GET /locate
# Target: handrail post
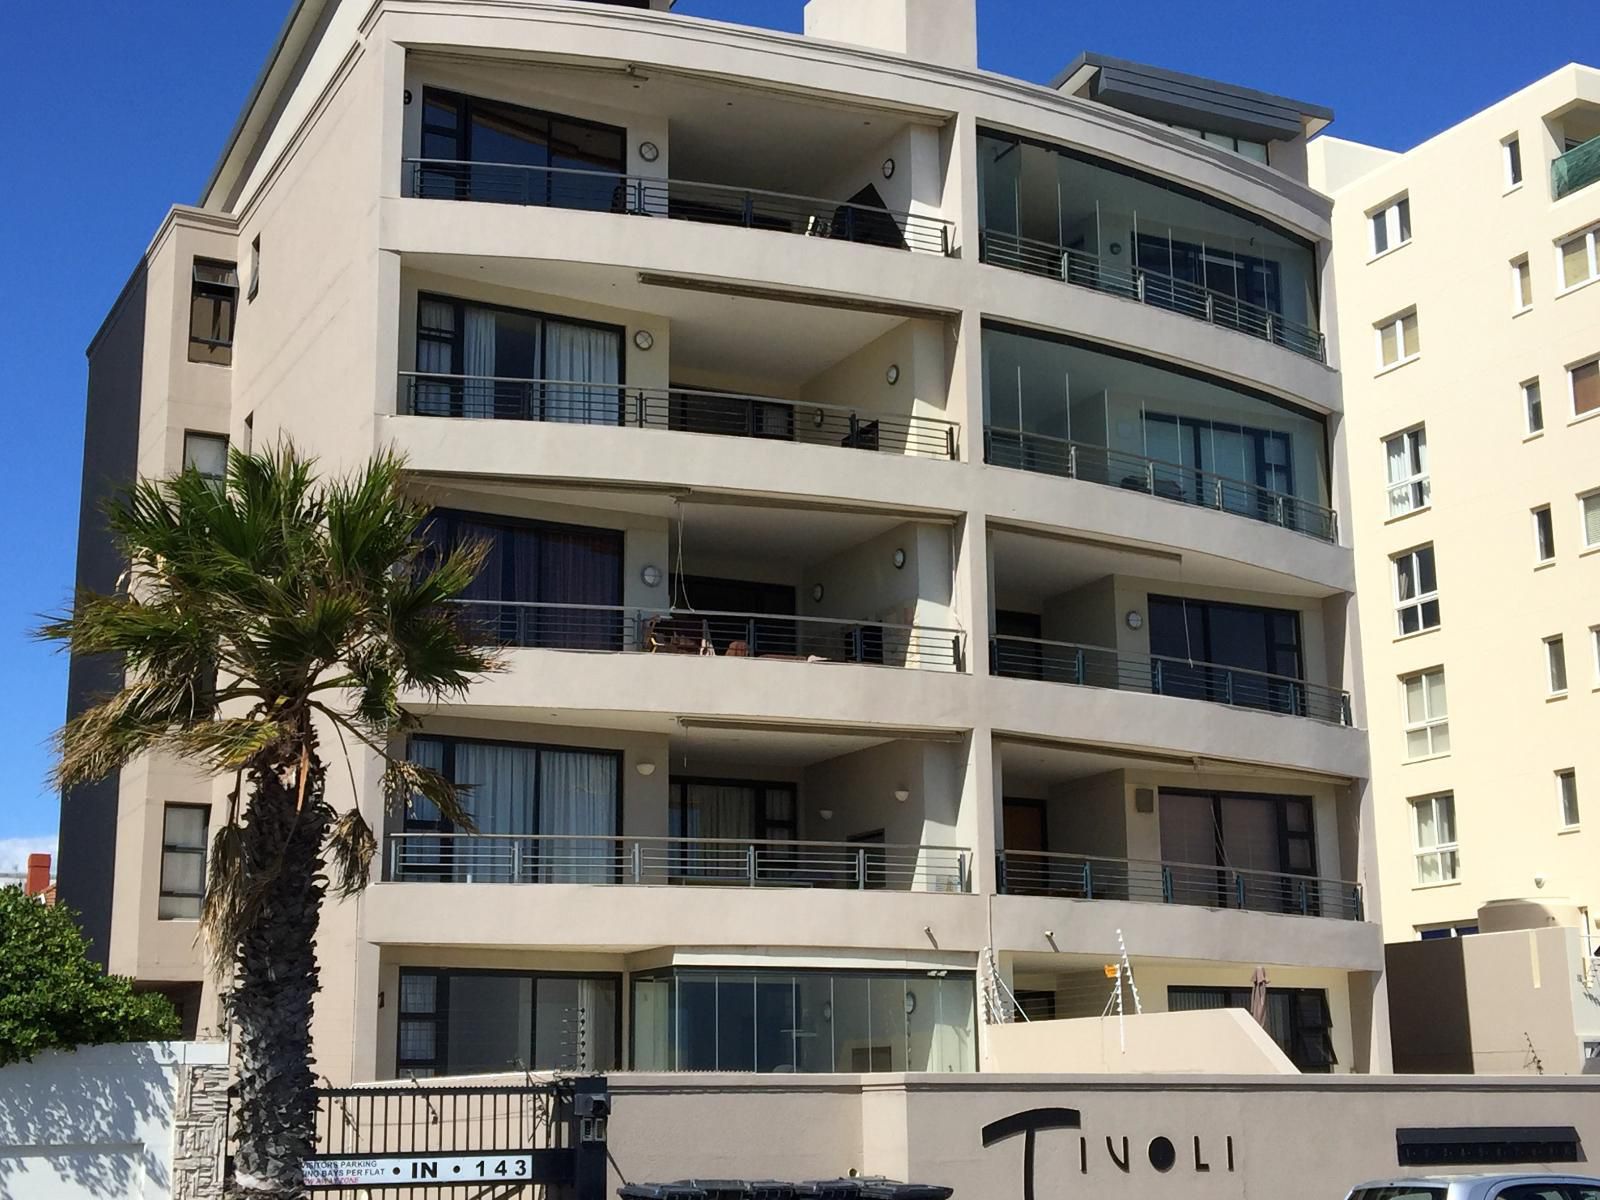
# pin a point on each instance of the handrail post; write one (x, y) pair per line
(516, 861)
(1150, 477)
(750, 863)
(1271, 332)
(1347, 718)
(1211, 308)
(1238, 888)
(638, 862)
(394, 857)
(861, 868)
(1077, 666)
(1000, 872)
(1166, 884)
(1138, 285)
(1305, 898)
(944, 239)
(1228, 675)
(1072, 460)
(1088, 880)
(961, 871)
(749, 210)
(950, 442)
(1156, 677)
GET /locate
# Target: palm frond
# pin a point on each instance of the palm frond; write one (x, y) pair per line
(351, 848)
(405, 781)
(228, 907)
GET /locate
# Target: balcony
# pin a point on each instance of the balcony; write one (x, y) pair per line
(1090, 877)
(481, 397)
(618, 629)
(1047, 455)
(1084, 269)
(669, 861)
(1101, 667)
(1577, 168)
(678, 199)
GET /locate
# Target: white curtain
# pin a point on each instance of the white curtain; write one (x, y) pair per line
(588, 359)
(578, 799)
(478, 350)
(499, 782)
(433, 357)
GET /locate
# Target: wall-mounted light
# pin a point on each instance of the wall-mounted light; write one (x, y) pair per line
(1116, 247)
(902, 794)
(825, 813)
(649, 151)
(899, 558)
(827, 1010)
(1135, 619)
(644, 339)
(817, 418)
(892, 375)
(645, 768)
(651, 575)
(911, 1002)
(888, 168)
(816, 592)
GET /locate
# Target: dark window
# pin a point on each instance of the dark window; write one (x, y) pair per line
(1544, 534)
(489, 1022)
(213, 299)
(1241, 844)
(183, 861)
(255, 267)
(1205, 650)
(1297, 1018)
(706, 812)
(206, 453)
(702, 593)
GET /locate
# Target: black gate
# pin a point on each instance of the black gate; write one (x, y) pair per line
(534, 1141)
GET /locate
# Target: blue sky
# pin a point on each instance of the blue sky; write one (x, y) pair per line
(119, 110)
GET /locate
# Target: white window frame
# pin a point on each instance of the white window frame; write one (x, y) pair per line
(1528, 401)
(1403, 604)
(1591, 239)
(1586, 500)
(1438, 850)
(1431, 721)
(193, 439)
(172, 902)
(1513, 166)
(1394, 218)
(1521, 269)
(1417, 486)
(1572, 389)
(1540, 557)
(1570, 818)
(1555, 658)
(1398, 324)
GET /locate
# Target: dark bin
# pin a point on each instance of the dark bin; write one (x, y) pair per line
(888, 1189)
(829, 1189)
(741, 1189)
(660, 1191)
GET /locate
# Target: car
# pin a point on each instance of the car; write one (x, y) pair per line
(1480, 1187)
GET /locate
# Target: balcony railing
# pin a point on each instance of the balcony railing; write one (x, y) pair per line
(677, 199)
(1577, 168)
(1083, 269)
(1098, 666)
(1088, 877)
(615, 629)
(705, 862)
(485, 397)
(1171, 481)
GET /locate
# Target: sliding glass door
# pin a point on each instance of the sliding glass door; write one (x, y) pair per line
(1226, 653)
(706, 813)
(1208, 836)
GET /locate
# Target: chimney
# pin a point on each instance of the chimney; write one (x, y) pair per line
(936, 31)
(38, 875)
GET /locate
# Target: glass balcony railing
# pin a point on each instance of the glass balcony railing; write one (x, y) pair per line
(1577, 168)
(474, 397)
(1084, 269)
(1171, 481)
(1089, 877)
(1099, 666)
(429, 857)
(677, 199)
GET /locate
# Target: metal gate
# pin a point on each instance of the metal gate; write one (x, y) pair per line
(536, 1141)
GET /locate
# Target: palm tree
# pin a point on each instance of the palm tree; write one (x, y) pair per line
(258, 614)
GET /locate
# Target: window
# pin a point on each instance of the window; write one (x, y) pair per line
(1416, 591)
(1544, 534)
(1594, 637)
(255, 267)
(213, 297)
(206, 453)
(1427, 715)
(1434, 824)
(1534, 405)
(1585, 381)
(1576, 259)
(1407, 456)
(183, 861)
(1391, 226)
(493, 1022)
(1432, 933)
(1567, 794)
(1397, 340)
(1256, 151)
(1555, 652)
(1297, 1018)
(1511, 150)
(1589, 512)
(1521, 285)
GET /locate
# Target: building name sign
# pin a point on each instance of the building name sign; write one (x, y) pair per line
(1121, 1153)
(416, 1170)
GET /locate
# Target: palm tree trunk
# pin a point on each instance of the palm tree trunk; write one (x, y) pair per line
(275, 978)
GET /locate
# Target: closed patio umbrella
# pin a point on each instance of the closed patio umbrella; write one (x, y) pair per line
(1258, 996)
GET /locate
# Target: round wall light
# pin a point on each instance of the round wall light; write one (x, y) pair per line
(899, 559)
(646, 769)
(892, 375)
(644, 339)
(816, 592)
(911, 1002)
(888, 168)
(902, 794)
(649, 151)
(1135, 619)
(651, 575)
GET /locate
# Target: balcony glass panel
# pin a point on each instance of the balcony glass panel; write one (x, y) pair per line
(1577, 168)
(1062, 408)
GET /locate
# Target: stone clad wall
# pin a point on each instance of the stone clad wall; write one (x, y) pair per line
(200, 1132)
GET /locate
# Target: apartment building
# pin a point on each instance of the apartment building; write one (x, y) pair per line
(913, 496)
(1471, 365)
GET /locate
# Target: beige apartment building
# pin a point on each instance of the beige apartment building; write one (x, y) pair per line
(917, 506)
(1470, 332)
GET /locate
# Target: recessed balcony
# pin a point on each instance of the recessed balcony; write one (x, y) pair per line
(1577, 136)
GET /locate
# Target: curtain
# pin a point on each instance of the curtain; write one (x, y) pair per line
(580, 568)
(499, 783)
(436, 324)
(586, 364)
(478, 344)
(423, 857)
(578, 799)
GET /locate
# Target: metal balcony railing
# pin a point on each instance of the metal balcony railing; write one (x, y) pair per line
(677, 199)
(1090, 877)
(485, 397)
(1083, 269)
(1098, 666)
(1577, 168)
(708, 862)
(615, 629)
(1172, 481)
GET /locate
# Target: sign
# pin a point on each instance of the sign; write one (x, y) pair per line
(414, 1170)
(1121, 1152)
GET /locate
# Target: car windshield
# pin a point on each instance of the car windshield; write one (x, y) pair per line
(1400, 1192)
